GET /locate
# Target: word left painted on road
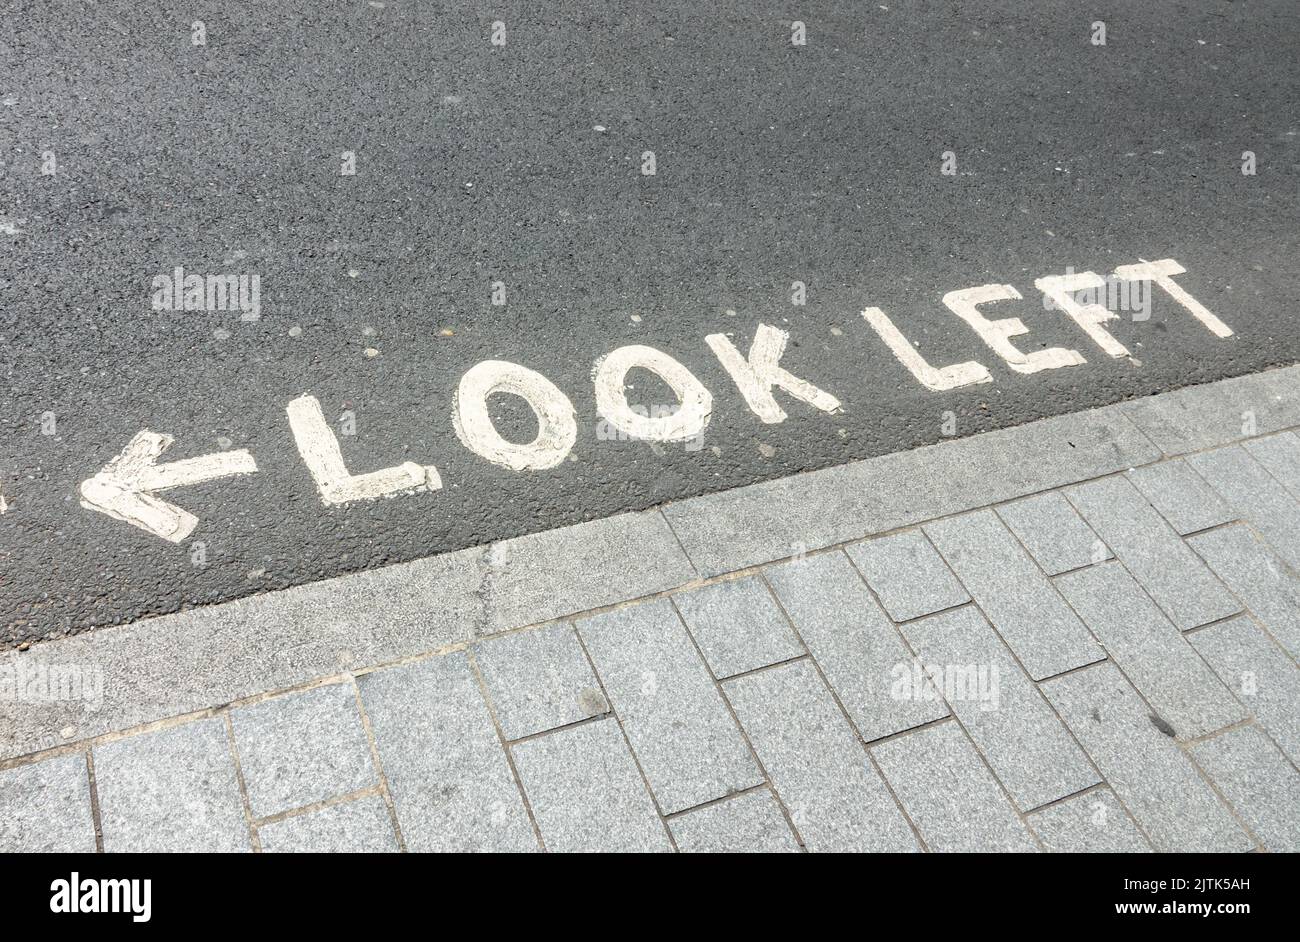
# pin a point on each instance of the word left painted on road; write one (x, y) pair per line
(126, 488)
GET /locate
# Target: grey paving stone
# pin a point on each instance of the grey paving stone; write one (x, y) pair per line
(1280, 456)
(675, 719)
(751, 823)
(361, 826)
(857, 648)
(1054, 534)
(302, 748)
(1094, 823)
(1181, 495)
(447, 772)
(1261, 580)
(1176, 578)
(949, 794)
(1259, 783)
(1256, 496)
(544, 576)
(586, 792)
(1153, 654)
(820, 771)
(45, 808)
(216, 654)
(1028, 749)
(169, 791)
(744, 527)
(908, 575)
(1259, 673)
(539, 680)
(1201, 417)
(738, 626)
(1147, 771)
(1022, 604)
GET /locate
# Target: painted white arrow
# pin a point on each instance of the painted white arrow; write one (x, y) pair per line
(124, 488)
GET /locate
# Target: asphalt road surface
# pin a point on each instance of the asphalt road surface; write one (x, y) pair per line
(134, 141)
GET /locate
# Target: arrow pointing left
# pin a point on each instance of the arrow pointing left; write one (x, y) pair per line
(124, 488)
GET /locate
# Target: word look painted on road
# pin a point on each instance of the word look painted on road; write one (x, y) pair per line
(125, 488)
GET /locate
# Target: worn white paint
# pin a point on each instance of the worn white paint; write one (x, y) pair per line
(124, 488)
(557, 429)
(609, 375)
(1090, 317)
(320, 452)
(1161, 272)
(965, 304)
(756, 375)
(937, 379)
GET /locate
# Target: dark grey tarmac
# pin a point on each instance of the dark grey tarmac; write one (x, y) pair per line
(522, 164)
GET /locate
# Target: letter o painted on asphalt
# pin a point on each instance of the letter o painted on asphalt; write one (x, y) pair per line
(557, 429)
(610, 378)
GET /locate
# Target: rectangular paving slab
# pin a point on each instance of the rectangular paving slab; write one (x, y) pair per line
(738, 626)
(821, 773)
(1259, 673)
(751, 823)
(1153, 654)
(539, 680)
(216, 654)
(1026, 610)
(302, 748)
(1176, 578)
(1259, 783)
(853, 642)
(446, 769)
(1256, 496)
(1280, 456)
(907, 574)
(45, 808)
(949, 793)
(1181, 496)
(1025, 744)
(1259, 578)
(172, 790)
(1144, 766)
(586, 792)
(360, 826)
(678, 725)
(1092, 823)
(1200, 417)
(1053, 532)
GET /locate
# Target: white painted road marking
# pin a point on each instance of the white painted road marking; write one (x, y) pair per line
(756, 375)
(557, 428)
(935, 379)
(320, 451)
(123, 489)
(610, 378)
(1061, 289)
(965, 304)
(1160, 272)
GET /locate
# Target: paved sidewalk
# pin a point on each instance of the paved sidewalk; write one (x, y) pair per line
(1076, 635)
